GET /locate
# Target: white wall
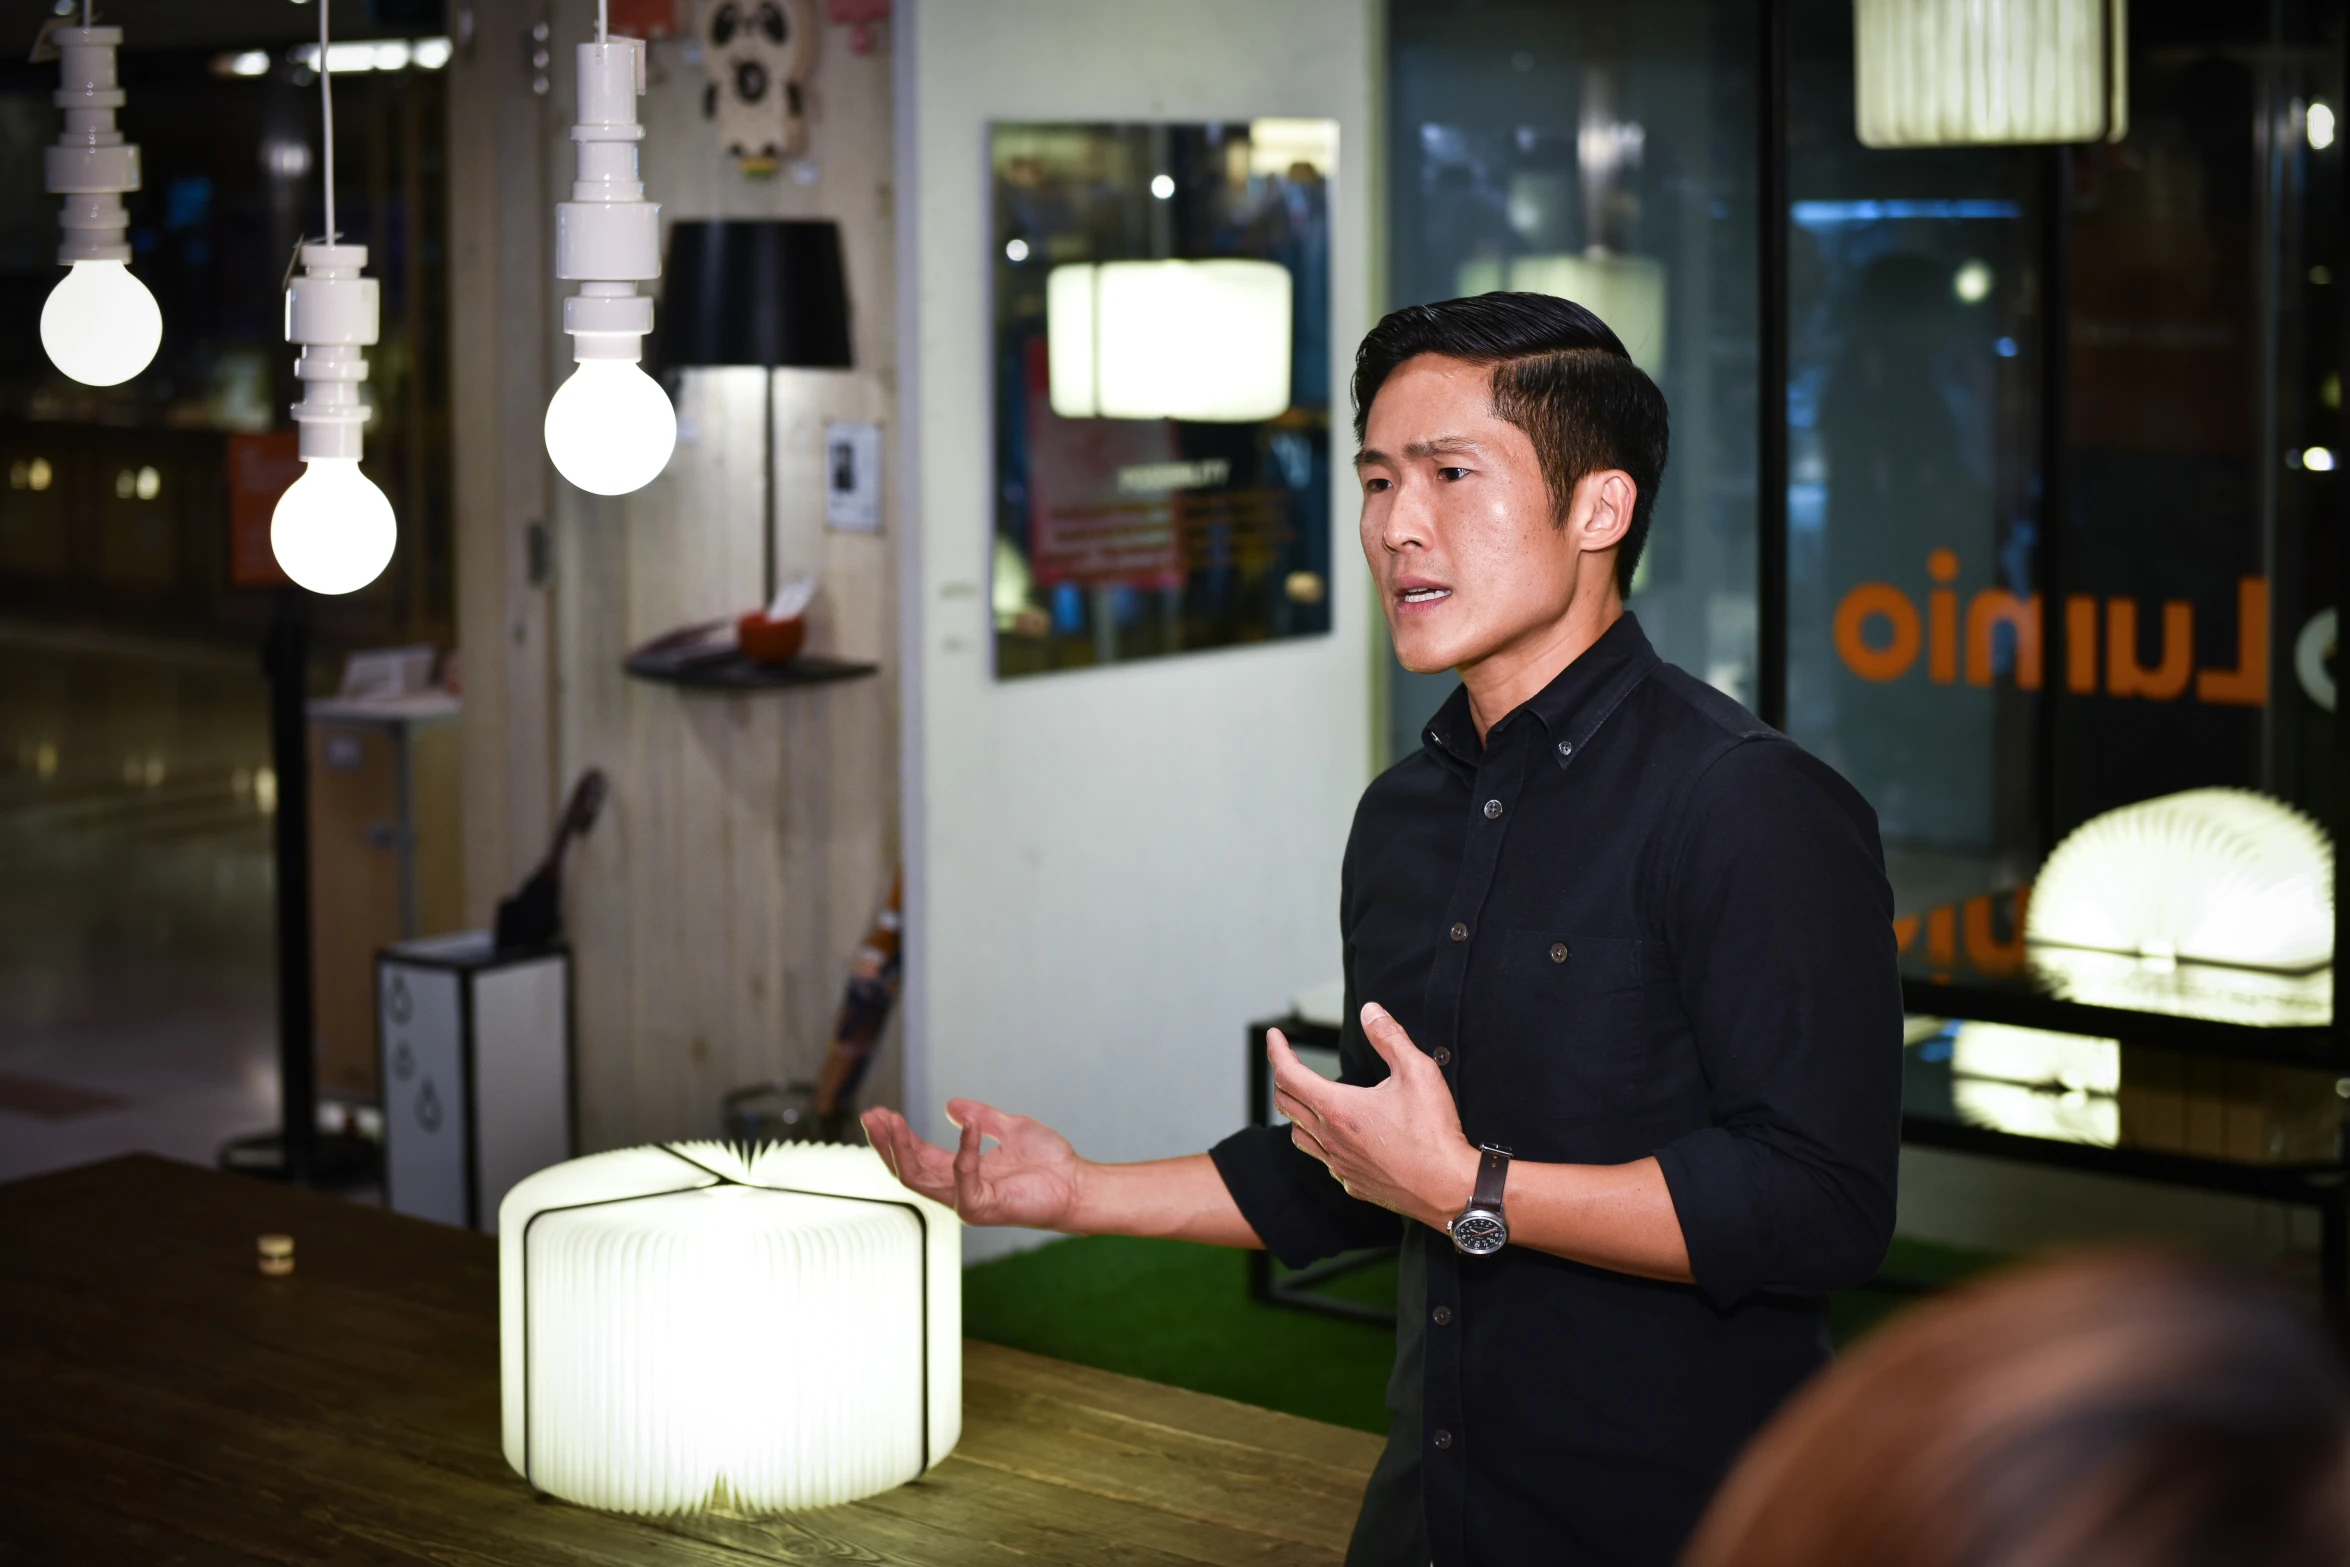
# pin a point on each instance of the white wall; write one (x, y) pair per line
(1110, 872)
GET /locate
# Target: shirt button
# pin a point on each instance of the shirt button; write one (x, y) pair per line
(1492, 809)
(1559, 952)
(1441, 1315)
(1443, 1056)
(1566, 748)
(1444, 1439)
(1460, 933)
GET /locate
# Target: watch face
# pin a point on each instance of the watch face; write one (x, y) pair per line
(1480, 1232)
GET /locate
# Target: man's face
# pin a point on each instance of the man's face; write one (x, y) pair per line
(1457, 522)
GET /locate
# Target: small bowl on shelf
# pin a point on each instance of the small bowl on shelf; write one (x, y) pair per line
(765, 641)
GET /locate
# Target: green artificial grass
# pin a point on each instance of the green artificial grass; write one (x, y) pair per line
(1172, 1312)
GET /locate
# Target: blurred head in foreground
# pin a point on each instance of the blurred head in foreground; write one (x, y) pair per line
(2120, 1411)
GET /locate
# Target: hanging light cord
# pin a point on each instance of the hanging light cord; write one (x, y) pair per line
(326, 107)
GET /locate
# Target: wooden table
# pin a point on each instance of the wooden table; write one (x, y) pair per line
(161, 1401)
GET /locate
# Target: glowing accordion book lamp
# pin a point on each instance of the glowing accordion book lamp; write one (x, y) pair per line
(2209, 903)
(695, 1326)
(1975, 73)
(1207, 341)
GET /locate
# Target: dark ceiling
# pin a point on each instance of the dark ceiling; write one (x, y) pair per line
(231, 24)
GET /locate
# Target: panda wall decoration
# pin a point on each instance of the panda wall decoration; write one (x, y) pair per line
(758, 54)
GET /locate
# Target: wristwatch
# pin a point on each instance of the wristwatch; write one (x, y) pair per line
(1480, 1231)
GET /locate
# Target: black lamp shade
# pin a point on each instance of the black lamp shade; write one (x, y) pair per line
(764, 291)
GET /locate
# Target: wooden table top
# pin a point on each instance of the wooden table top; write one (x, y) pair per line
(159, 1399)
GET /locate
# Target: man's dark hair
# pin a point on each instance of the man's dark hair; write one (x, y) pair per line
(1559, 375)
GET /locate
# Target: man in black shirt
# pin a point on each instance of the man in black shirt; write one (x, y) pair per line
(1622, 1043)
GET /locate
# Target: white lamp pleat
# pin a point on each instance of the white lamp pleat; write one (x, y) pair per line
(1948, 73)
(676, 1335)
(1207, 341)
(2209, 903)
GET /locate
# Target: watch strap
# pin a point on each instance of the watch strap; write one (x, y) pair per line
(1492, 1173)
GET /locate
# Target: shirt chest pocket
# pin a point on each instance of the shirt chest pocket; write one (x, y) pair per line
(1561, 963)
(1567, 1013)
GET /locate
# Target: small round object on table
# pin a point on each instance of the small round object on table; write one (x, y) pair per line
(276, 1255)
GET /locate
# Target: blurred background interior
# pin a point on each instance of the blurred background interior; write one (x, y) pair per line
(2004, 478)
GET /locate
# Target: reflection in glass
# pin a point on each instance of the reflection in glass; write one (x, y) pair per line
(1945, 75)
(1162, 388)
(1202, 340)
(1604, 153)
(2220, 992)
(2037, 1058)
(1915, 334)
(2029, 1082)
(2025, 594)
(2063, 1115)
(2099, 1091)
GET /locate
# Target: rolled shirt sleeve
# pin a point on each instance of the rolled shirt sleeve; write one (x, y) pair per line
(1295, 1205)
(1780, 923)
(1296, 1208)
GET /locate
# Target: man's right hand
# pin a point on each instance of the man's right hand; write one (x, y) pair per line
(1030, 1177)
(1033, 1177)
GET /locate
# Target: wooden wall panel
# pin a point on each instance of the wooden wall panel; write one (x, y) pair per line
(501, 313)
(748, 838)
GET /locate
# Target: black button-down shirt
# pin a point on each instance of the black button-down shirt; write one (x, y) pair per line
(1634, 921)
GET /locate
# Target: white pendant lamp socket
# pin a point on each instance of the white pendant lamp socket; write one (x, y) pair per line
(333, 531)
(100, 325)
(610, 428)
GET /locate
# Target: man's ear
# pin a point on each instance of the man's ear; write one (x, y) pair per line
(1602, 513)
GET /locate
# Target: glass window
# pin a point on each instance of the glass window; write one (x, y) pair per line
(1914, 361)
(1604, 152)
(2062, 591)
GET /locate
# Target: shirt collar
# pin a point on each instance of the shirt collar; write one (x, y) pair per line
(1570, 709)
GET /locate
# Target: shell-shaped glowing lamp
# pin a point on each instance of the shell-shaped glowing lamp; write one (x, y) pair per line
(689, 1326)
(2212, 902)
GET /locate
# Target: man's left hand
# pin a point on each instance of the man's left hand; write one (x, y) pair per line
(1398, 1144)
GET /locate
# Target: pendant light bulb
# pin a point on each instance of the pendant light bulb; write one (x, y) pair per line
(610, 428)
(100, 325)
(333, 530)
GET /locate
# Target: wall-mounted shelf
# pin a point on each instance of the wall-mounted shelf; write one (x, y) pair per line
(733, 672)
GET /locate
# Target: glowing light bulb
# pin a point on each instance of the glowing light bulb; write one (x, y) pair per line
(101, 326)
(333, 530)
(610, 428)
